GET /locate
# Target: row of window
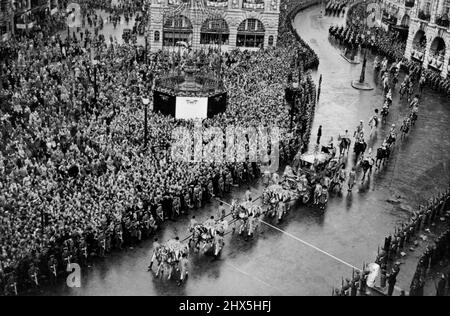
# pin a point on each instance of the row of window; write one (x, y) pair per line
(243, 39)
(214, 25)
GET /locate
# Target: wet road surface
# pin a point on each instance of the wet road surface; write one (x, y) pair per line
(278, 263)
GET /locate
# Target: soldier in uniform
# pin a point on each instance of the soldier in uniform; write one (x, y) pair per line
(101, 244)
(228, 181)
(33, 274)
(210, 190)
(53, 267)
(440, 288)
(221, 186)
(248, 195)
(392, 278)
(156, 246)
(187, 200)
(197, 202)
(184, 269)
(221, 211)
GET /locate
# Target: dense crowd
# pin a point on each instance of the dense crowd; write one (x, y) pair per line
(75, 179)
(430, 78)
(429, 259)
(288, 36)
(403, 239)
(404, 236)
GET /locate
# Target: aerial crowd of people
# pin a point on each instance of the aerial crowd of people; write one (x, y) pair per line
(76, 180)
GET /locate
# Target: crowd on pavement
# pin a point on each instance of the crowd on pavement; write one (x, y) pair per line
(75, 179)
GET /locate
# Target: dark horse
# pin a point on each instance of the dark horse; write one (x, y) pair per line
(383, 154)
(384, 113)
(366, 165)
(359, 148)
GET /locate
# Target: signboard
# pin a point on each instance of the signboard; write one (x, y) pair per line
(191, 108)
(25, 26)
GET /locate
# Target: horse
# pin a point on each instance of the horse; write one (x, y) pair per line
(390, 140)
(366, 165)
(359, 148)
(385, 112)
(373, 124)
(376, 64)
(403, 89)
(413, 118)
(383, 154)
(344, 145)
(405, 127)
(338, 180)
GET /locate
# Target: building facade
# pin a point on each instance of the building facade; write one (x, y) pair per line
(21, 15)
(397, 13)
(202, 23)
(429, 35)
(6, 19)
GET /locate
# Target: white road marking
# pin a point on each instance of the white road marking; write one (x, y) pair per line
(252, 276)
(314, 247)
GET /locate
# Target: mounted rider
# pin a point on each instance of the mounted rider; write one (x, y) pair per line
(359, 131)
(392, 135)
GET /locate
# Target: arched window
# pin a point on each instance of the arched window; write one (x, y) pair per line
(251, 33)
(437, 54)
(405, 20)
(214, 31)
(157, 36)
(271, 40)
(177, 29)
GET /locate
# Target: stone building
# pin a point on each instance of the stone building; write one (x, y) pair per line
(203, 23)
(6, 19)
(429, 35)
(397, 13)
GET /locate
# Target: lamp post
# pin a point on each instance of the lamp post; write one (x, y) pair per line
(146, 102)
(361, 84)
(95, 63)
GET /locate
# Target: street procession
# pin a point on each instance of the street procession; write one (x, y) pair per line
(224, 148)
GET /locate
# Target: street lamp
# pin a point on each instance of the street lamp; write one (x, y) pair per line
(95, 63)
(361, 84)
(146, 102)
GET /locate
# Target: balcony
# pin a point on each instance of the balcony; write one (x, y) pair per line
(409, 3)
(418, 54)
(424, 16)
(436, 62)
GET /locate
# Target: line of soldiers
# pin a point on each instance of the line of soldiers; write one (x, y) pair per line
(336, 7)
(420, 220)
(430, 258)
(355, 286)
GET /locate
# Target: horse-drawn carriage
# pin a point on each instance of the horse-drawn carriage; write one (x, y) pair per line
(277, 197)
(207, 238)
(246, 215)
(169, 256)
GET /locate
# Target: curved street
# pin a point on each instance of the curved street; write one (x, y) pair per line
(286, 261)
